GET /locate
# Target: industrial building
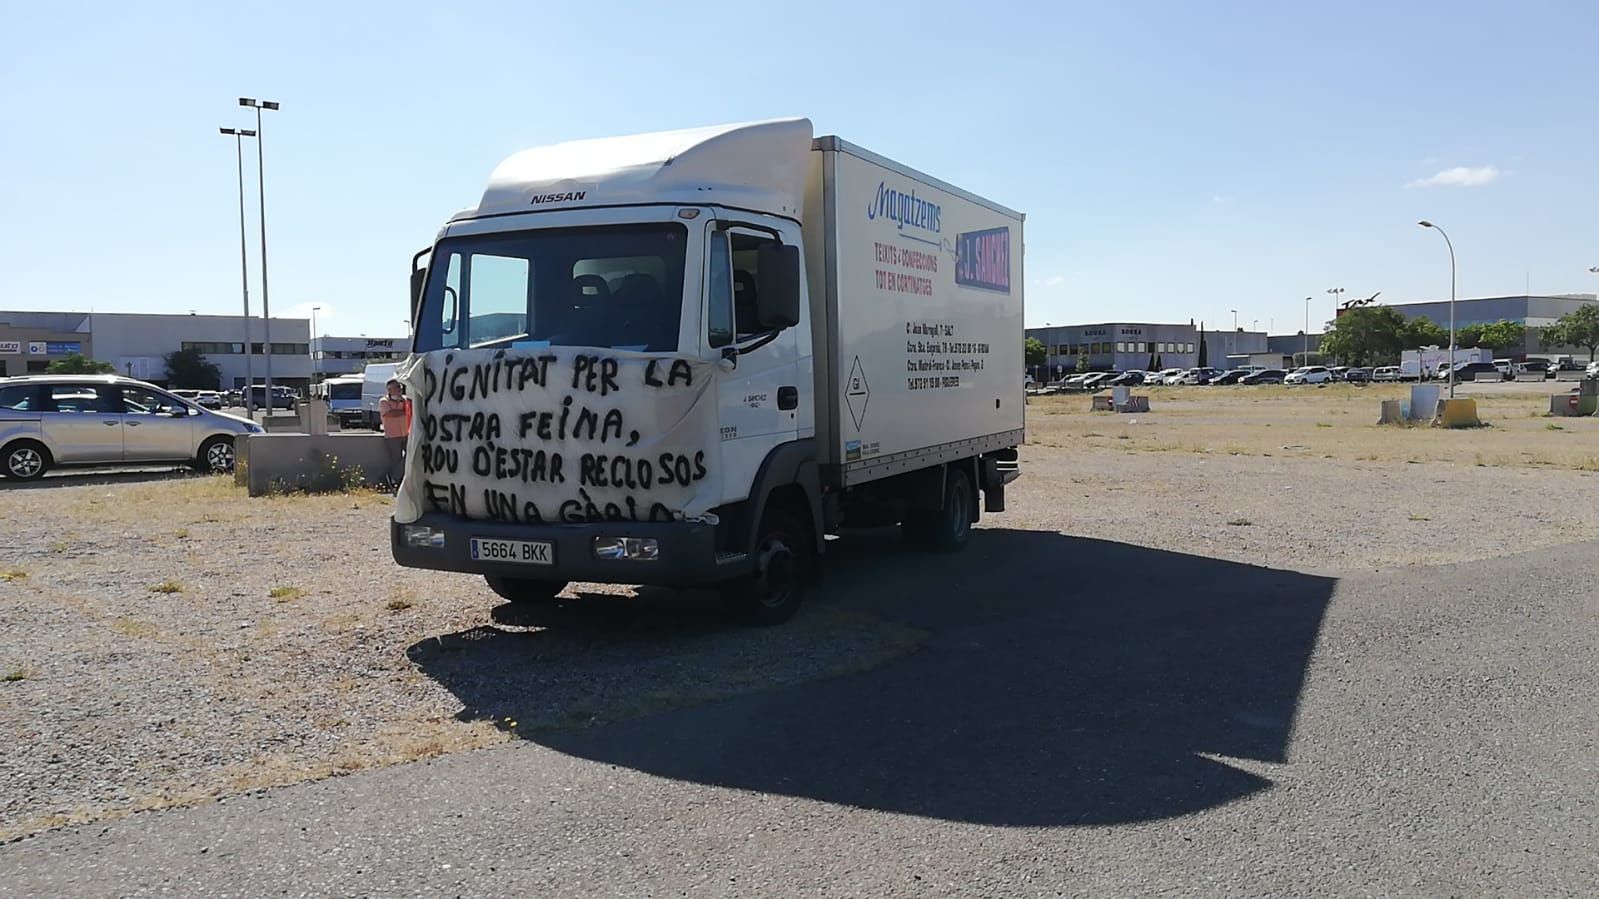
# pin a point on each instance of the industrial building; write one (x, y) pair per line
(1119, 346)
(333, 356)
(137, 343)
(1535, 312)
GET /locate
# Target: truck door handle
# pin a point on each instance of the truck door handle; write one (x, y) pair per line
(131, 424)
(787, 398)
(110, 423)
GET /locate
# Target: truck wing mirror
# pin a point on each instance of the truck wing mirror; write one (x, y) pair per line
(419, 277)
(777, 293)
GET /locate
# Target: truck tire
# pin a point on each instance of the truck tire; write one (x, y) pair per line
(522, 590)
(947, 529)
(784, 561)
(25, 460)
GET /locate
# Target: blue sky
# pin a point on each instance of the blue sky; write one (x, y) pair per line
(1175, 160)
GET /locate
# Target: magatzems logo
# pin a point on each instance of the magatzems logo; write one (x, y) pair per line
(905, 210)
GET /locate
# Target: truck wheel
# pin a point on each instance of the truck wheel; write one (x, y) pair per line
(947, 529)
(25, 460)
(784, 560)
(524, 590)
(215, 456)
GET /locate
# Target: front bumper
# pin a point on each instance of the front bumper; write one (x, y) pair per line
(688, 554)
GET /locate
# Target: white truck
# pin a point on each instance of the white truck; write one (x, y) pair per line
(343, 393)
(684, 358)
(1430, 360)
(374, 386)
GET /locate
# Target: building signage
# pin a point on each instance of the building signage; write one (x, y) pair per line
(10, 347)
(372, 342)
(1135, 331)
(37, 348)
(63, 347)
(1093, 332)
(982, 259)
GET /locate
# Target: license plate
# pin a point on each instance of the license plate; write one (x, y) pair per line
(529, 552)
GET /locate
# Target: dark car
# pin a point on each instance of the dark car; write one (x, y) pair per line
(1470, 371)
(1357, 375)
(1229, 377)
(1269, 376)
(1126, 379)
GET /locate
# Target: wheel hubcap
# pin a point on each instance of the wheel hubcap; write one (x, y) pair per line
(220, 457)
(777, 572)
(25, 462)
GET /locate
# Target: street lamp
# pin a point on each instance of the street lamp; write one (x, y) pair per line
(260, 173)
(1451, 245)
(1306, 360)
(238, 135)
(315, 369)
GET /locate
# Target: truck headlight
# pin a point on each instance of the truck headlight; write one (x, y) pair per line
(636, 549)
(419, 536)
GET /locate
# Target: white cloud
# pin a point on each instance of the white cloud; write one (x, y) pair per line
(1222, 200)
(1051, 281)
(1460, 176)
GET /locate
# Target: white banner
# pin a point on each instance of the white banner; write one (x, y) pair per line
(10, 347)
(559, 435)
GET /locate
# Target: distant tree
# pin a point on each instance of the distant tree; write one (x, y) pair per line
(1082, 363)
(1204, 354)
(77, 364)
(1365, 335)
(1422, 331)
(1035, 352)
(1579, 328)
(1499, 335)
(190, 369)
(1154, 363)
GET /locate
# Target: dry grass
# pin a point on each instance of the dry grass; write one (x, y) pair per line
(13, 574)
(167, 586)
(285, 594)
(1337, 422)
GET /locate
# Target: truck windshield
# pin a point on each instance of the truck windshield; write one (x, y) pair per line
(618, 287)
(344, 390)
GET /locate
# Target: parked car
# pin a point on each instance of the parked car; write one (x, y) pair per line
(1337, 371)
(49, 421)
(209, 399)
(1535, 366)
(1357, 375)
(1309, 374)
(1197, 376)
(1385, 373)
(1470, 370)
(1266, 376)
(282, 397)
(1229, 377)
(1173, 375)
(1593, 370)
(1126, 379)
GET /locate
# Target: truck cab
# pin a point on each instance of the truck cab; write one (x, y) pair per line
(630, 366)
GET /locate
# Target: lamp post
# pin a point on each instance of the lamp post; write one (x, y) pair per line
(315, 368)
(1594, 269)
(238, 135)
(1451, 245)
(260, 174)
(1306, 360)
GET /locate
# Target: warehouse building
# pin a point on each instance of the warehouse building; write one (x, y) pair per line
(137, 343)
(1535, 312)
(1118, 346)
(334, 356)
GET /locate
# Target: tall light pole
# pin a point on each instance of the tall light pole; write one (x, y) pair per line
(1451, 245)
(1306, 360)
(1594, 269)
(238, 135)
(260, 173)
(315, 368)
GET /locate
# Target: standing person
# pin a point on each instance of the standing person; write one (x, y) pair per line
(395, 412)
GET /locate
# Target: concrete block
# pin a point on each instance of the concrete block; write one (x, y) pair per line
(304, 461)
(1535, 377)
(1457, 413)
(1134, 404)
(1485, 376)
(1423, 402)
(1102, 403)
(1392, 413)
(1569, 375)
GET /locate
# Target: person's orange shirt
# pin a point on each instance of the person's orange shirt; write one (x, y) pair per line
(396, 416)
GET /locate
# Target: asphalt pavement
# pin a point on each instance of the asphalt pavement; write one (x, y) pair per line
(1084, 718)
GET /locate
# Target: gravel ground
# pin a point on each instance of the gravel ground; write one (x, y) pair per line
(118, 697)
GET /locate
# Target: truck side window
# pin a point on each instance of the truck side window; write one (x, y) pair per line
(445, 319)
(720, 295)
(498, 298)
(746, 253)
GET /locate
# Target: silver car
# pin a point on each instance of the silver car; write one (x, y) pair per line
(70, 420)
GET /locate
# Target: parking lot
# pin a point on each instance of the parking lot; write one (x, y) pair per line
(1248, 631)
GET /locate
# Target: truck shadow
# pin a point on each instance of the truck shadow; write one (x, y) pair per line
(1061, 681)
